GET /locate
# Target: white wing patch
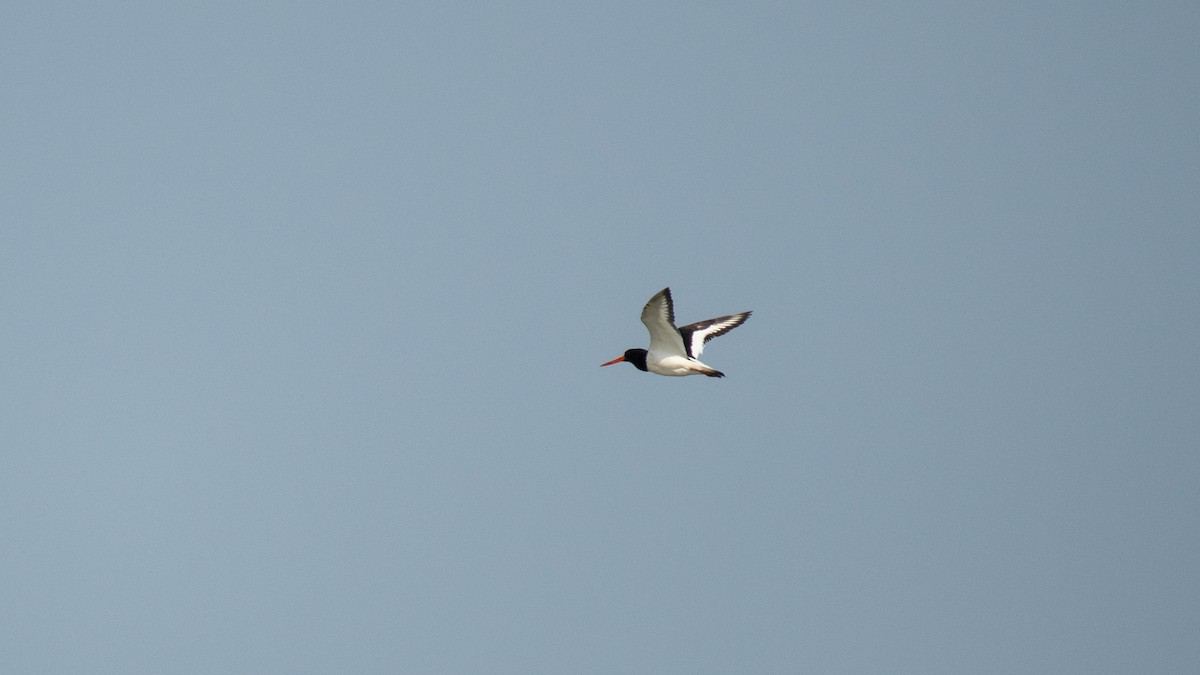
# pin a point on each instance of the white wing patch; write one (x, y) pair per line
(660, 308)
(696, 334)
(669, 344)
(659, 317)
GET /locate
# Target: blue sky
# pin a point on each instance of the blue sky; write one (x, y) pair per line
(304, 306)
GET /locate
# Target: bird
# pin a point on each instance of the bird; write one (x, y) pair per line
(676, 351)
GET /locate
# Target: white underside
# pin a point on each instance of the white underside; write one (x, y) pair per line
(675, 365)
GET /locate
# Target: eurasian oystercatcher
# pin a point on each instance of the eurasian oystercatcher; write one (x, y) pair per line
(675, 351)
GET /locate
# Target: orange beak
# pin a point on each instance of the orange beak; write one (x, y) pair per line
(616, 360)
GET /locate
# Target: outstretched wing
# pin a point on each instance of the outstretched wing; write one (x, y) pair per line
(659, 317)
(696, 334)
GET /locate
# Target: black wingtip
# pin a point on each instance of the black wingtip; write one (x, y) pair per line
(715, 373)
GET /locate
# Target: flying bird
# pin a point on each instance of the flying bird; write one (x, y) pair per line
(676, 351)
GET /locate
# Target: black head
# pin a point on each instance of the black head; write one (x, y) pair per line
(635, 356)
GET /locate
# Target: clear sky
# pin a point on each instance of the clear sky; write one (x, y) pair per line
(303, 306)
